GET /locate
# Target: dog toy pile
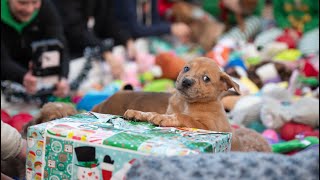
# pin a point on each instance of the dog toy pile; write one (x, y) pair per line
(277, 67)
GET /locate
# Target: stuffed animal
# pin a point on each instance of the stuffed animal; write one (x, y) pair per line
(269, 72)
(251, 140)
(248, 108)
(271, 136)
(305, 111)
(231, 12)
(290, 130)
(289, 37)
(204, 28)
(130, 74)
(145, 61)
(170, 65)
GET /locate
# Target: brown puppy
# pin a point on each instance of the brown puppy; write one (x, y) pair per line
(121, 101)
(196, 102)
(49, 112)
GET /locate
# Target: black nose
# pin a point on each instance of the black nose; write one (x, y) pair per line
(187, 82)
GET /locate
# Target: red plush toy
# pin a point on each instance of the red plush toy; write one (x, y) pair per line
(289, 130)
(290, 37)
(164, 7)
(5, 117)
(170, 65)
(19, 120)
(309, 70)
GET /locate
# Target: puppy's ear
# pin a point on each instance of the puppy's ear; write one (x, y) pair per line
(39, 119)
(228, 83)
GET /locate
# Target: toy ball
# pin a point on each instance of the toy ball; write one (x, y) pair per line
(289, 130)
(271, 136)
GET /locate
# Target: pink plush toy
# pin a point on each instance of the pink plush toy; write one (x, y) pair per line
(145, 61)
(130, 75)
(271, 136)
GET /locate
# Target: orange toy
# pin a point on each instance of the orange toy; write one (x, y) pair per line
(220, 55)
(170, 65)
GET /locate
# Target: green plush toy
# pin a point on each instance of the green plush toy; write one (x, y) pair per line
(311, 81)
(296, 144)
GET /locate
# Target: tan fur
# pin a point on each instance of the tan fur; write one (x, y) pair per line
(250, 140)
(197, 106)
(49, 112)
(121, 101)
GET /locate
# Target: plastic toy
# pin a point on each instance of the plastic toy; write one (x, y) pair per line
(296, 144)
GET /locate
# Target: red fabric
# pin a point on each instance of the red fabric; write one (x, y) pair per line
(19, 120)
(290, 37)
(163, 6)
(309, 70)
(5, 117)
(285, 38)
(291, 129)
(311, 133)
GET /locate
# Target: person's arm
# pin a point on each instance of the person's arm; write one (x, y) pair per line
(74, 15)
(8, 66)
(12, 144)
(107, 24)
(138, 29)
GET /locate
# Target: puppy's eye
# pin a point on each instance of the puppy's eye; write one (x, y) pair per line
(206, 79)
(186, 69)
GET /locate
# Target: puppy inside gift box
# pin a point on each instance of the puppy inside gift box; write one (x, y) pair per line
(102, 146)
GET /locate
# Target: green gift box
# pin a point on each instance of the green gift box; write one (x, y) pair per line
(103, 146)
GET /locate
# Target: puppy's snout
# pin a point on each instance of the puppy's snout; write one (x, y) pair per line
(186, 83)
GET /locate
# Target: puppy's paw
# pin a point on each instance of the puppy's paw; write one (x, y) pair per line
(133, 114)
(157, 120)
(162, 120)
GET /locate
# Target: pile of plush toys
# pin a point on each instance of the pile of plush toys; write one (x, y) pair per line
(280, 92)
(279, 83)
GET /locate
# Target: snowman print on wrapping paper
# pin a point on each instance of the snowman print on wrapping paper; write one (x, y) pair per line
(87, 163)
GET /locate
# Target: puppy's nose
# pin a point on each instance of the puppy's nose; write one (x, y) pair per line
(187, 83)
